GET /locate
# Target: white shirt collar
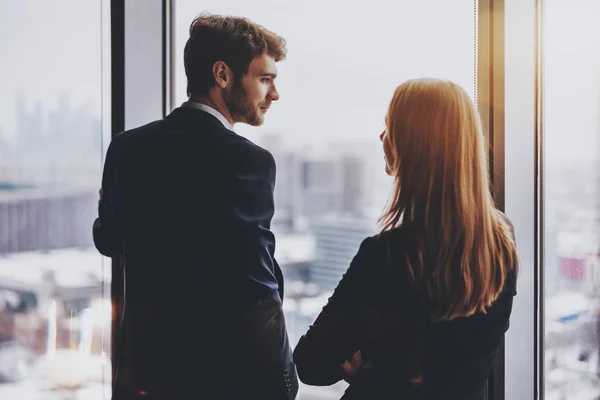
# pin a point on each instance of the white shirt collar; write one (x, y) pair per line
(211, 111)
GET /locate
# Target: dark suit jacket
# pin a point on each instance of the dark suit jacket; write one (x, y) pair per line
(376, 310)
(187, 206)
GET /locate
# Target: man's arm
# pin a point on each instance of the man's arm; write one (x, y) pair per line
(106, 235)
(267, 352)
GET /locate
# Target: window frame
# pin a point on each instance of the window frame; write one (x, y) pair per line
(490, 103)
(137, 98)
(494, 42)
(523, 193)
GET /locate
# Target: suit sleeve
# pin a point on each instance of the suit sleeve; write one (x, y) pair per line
(105, 232)
(252, 208)
(263, 327)
(327, 344)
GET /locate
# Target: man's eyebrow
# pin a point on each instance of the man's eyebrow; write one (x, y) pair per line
(270, 74)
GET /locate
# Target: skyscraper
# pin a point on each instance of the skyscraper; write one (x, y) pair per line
(352, 188)
(337, 240)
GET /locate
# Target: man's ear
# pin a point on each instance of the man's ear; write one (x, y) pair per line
(222, 74)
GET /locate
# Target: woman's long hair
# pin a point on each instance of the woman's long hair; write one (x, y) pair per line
(463, 250)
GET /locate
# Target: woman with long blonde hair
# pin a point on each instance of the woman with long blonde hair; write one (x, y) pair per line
(424, 306)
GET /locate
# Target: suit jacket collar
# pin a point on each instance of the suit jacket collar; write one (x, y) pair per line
(211, 111)
(193, 117)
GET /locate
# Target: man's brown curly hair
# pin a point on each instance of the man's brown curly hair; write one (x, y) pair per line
(235, 41)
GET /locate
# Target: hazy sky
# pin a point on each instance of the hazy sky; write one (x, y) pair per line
(47, 47)
(344, 61)
(572, 79)
(345, 58)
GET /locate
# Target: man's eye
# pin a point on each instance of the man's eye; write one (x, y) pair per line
(265, 80)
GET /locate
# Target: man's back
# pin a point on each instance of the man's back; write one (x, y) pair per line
(188, 204)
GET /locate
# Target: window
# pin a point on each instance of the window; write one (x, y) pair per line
(344, 61)
(571, 126)
(54, 286)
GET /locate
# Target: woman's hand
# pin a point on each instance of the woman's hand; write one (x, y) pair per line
(351, 367)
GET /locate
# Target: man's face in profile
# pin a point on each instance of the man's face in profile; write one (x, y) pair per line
(251, 96)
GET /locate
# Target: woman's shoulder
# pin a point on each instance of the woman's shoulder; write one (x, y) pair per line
(397, 239)
(507, 221)
(511, 281)
(396, 235)
(381, 268)
(386, 249)
(378, 243)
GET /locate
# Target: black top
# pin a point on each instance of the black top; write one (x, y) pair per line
(376, 310)
(187, 204)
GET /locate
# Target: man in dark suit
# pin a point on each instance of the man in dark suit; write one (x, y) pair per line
(187, 204)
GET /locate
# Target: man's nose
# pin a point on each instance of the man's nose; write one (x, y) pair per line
(274, 94)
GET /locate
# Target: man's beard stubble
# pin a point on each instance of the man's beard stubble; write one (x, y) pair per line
(240, 108)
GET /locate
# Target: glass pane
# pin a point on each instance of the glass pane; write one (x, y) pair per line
(572, 199)
(54, 286)
(344, 62)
